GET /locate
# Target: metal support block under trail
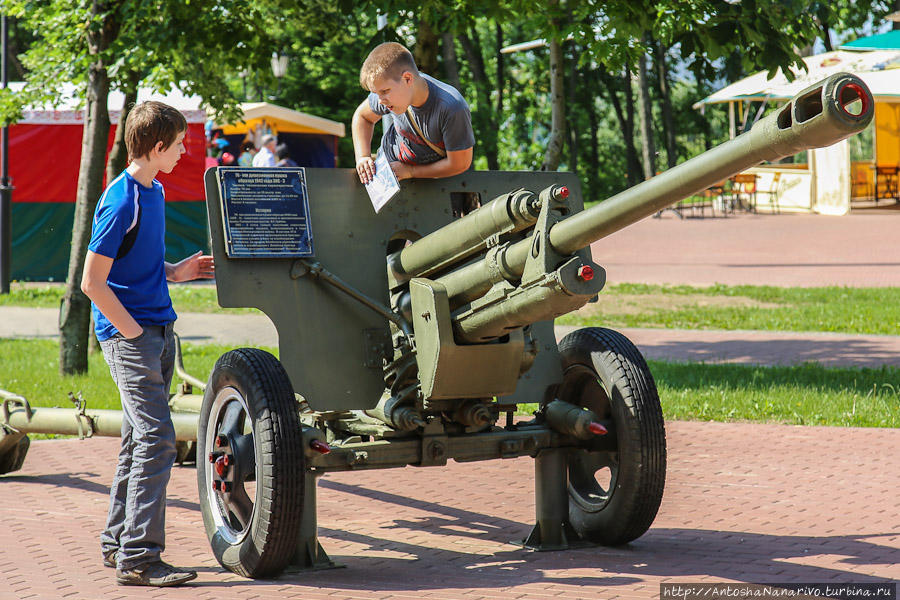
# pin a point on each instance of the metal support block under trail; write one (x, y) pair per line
(309, 555)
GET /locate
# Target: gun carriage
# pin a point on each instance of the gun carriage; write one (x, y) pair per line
(411, 338)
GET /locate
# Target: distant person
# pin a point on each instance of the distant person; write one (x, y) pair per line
(125, 276)
(283, 155)
(266, 155)
(431, 130)
(248, 151)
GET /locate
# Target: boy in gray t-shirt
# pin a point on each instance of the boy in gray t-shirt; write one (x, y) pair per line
(431, 130)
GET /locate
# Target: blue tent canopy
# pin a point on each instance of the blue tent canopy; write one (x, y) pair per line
(881, 41)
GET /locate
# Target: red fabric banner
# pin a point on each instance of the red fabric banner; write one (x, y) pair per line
(44, 162)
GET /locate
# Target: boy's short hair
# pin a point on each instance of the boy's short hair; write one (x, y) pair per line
(390, 60)
(151, 122)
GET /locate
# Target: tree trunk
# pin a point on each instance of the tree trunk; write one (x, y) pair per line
(665, 97)
(451, 67)
(501, 77)
(427, 47)
(74, 313)
(594, 151)
(648, 147)
(826, 37)
(573, 131)
(626, 124)
(634, 161)
(553, 154)
(896, 24)
(118, 154)
(486, 138)
(14, 49)
(822, 17)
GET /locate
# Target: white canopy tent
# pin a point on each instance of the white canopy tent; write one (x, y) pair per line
(827, 182)
(880, 69)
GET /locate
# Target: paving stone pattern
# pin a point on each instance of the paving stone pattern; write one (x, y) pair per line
(743, 503)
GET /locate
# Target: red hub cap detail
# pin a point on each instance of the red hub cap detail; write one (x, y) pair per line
(597, 429)
(320, 446)
(221, 466)
(585, 272)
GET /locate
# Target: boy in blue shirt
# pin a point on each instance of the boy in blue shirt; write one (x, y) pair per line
(125, 276)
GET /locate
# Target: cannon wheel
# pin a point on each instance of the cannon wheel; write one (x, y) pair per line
(614, 496)
(252, 508)
(14, 457)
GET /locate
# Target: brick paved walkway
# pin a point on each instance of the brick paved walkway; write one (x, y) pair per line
(858, 250)
(743, 503)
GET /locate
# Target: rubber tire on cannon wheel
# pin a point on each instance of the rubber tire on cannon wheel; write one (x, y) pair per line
(12, 459)
(253, 385)
(604, 371)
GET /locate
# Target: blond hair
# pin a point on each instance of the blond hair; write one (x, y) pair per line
(390, 60)
(151, 122)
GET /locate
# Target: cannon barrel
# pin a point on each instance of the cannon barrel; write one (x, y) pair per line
(821, 115)
(508, 213)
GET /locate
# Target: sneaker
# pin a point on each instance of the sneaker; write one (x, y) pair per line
(155, 574)
(109, 559)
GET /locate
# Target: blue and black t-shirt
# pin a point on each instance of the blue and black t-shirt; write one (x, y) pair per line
(130, 227)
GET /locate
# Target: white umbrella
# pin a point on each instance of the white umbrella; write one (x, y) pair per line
(880, 69)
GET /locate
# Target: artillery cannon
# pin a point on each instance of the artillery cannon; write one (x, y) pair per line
(408, 334)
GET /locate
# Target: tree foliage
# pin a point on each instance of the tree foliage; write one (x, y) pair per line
(220, 50)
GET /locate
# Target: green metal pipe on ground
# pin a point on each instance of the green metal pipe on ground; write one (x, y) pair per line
(93, 422)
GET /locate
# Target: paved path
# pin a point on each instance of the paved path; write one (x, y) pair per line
(746, 347)
(858, 250)
(743, 503)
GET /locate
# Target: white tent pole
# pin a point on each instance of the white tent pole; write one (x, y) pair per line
(731, 131)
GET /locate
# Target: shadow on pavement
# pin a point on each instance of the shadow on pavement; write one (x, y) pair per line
(83, 481)
(767, 351)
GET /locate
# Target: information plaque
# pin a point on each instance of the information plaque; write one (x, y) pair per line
(265, 212)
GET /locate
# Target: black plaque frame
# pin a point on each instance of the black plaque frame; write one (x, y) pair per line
(265, 212)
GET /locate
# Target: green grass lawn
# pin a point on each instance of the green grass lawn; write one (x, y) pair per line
(835, 309)
(186, 297)
(30, 368)
(802, 395)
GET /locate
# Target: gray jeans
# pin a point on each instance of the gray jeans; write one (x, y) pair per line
(142, 369)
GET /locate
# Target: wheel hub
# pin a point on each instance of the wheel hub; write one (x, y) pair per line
(231, 466)
(592, 475)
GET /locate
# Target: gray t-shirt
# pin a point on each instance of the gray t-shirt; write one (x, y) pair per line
(444, 119)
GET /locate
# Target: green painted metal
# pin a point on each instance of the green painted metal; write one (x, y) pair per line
(323, 333)
(816, 117)
(92, 422)
(477, 294)
(490, 369)
(508, 213)
(18, 417)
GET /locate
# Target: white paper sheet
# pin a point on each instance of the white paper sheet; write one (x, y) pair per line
(384, 185)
